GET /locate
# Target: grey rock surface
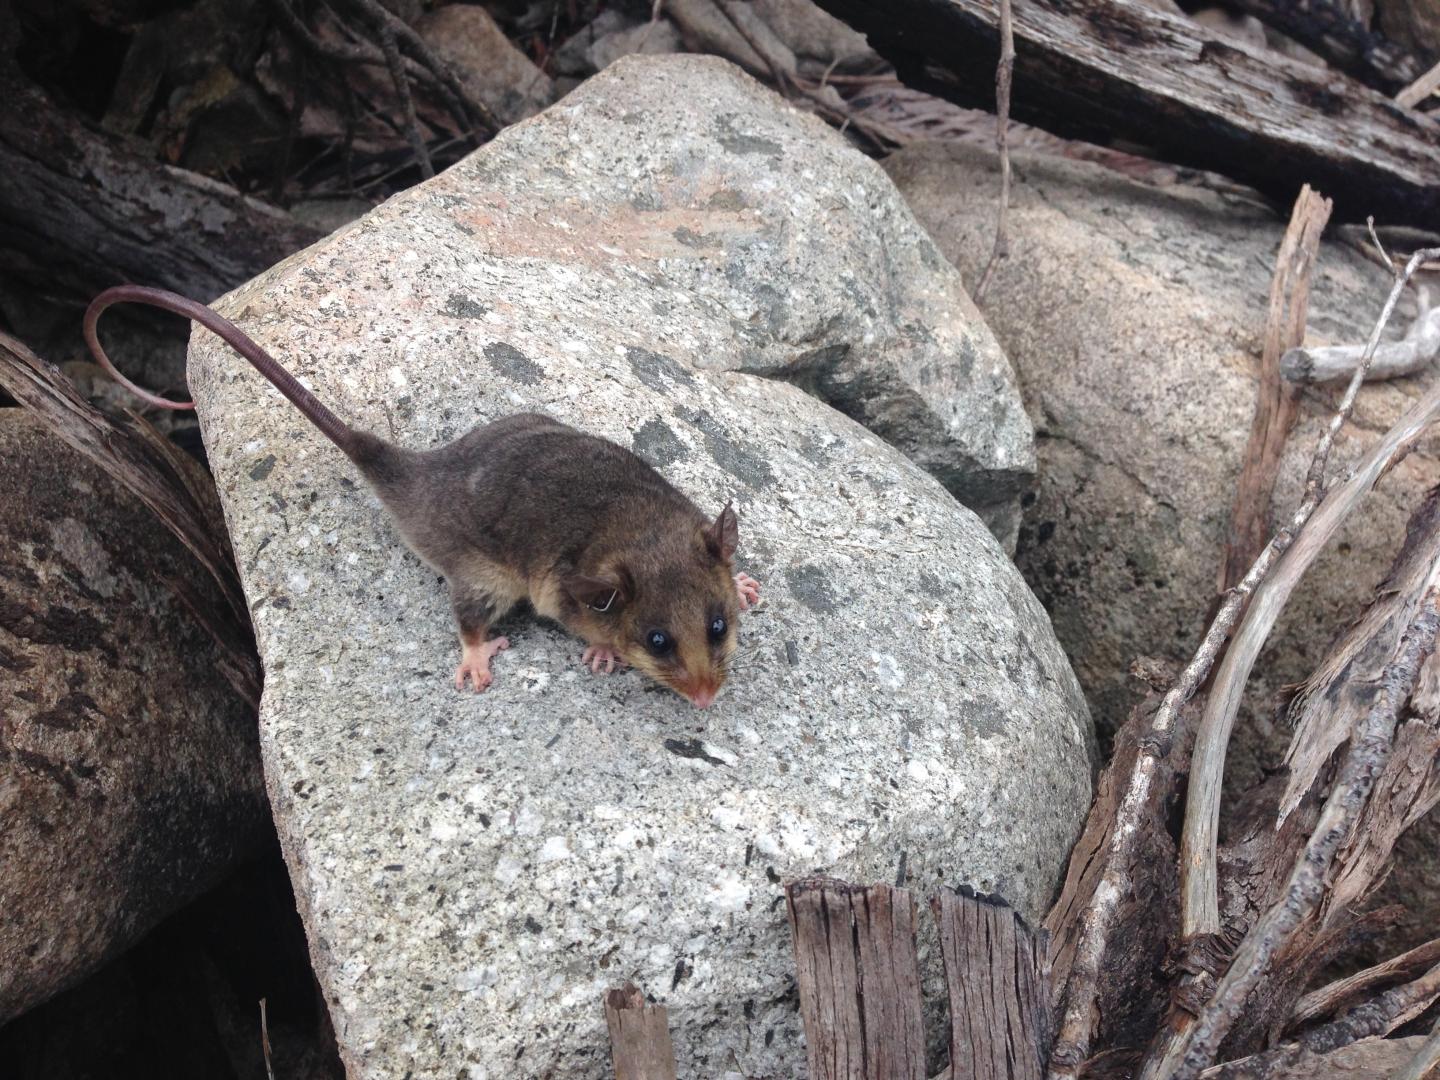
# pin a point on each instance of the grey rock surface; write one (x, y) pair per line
(1134, 317)
(129, 772)
(473, 870)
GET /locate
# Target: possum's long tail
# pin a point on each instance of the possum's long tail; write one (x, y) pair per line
(330, 425)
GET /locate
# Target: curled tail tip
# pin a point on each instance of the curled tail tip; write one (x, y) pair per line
(118, 294)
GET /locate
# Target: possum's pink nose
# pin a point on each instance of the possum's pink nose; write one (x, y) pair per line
(701, 691)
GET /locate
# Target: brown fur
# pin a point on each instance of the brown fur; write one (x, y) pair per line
(528, 508)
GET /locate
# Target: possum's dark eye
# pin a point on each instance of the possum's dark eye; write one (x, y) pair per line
(717, 628)
(659, 642)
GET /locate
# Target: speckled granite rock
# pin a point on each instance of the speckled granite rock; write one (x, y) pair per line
(475, 870)
(129, 777)
(715, 222)
(1134, 315)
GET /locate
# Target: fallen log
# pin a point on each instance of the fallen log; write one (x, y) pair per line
(1099, 69)
(82, 209)
(1327, 29)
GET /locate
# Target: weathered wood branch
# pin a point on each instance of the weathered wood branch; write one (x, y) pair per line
(1378, 1017)
(1334, 997)
(82, 209)
(640, 1044)
(1085, 919)
(1096, 69)
(1004, 75)
(1426, 1058)
(1327, 29)
(1110, 930)
(1420, 89)
(1368, 1059)
(1418, 349)
(859, 980)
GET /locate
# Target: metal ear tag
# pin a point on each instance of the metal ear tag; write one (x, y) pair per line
(596, 607)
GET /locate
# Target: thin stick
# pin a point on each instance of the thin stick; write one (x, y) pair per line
(1420, 89)
(1330, 999)
(265, 1040)
(1375, 239)
(1192, 1052)
(781, 82)
(655, 10)
(1316, 475)
(1428, 1056)
(366, 54)
(876, 133)
(407, 102)
(1416, 350)
(477, 112)
(1004, 71)
(1200, 909)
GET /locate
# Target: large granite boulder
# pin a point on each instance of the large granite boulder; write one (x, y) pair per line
(129, 774)
(474, 870)
(1134, 316)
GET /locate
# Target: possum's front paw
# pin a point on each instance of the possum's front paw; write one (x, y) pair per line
(475, 663)
(748, 589)
(598, 656)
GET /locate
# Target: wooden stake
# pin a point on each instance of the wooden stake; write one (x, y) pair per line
(859, 980)
(639, 1036)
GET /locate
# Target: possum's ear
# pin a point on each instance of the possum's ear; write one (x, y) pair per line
(722, 536)
(606, 595)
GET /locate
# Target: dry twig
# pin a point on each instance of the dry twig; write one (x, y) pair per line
(1277, 403)
(1378, 1017)
(1097, 913)
(1341, 994)
(1416, 350)
(1420, 89)
(392, 33)
(407, 103)
(265, 1040)
(1200, 914)
(1374, 1058)
(1004, 73)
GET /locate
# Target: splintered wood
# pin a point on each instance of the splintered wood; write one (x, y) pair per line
(1278, 402)
(860, 984)
(859, 980)
(999, 1015)
(639, 1036)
